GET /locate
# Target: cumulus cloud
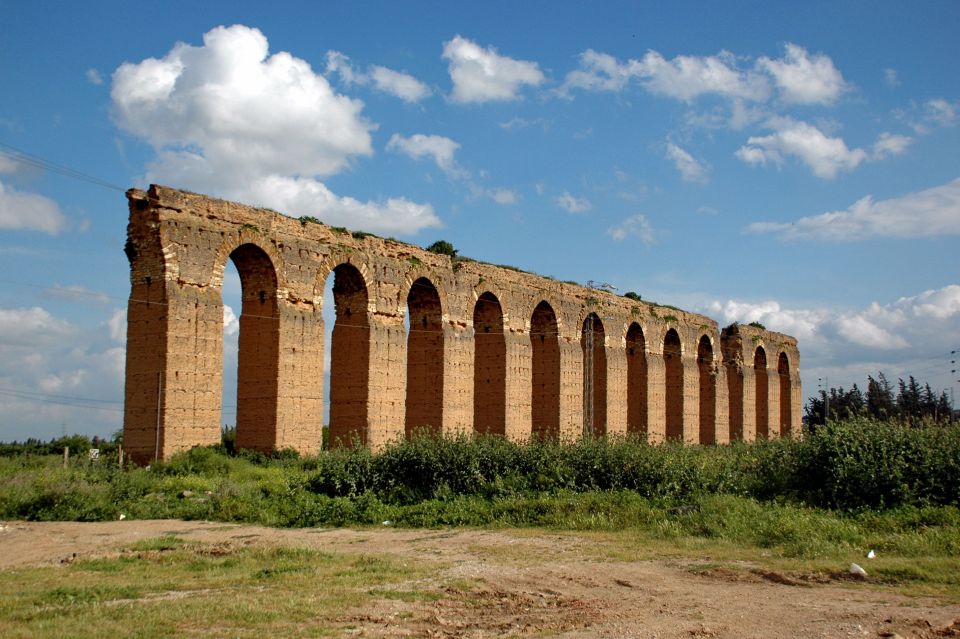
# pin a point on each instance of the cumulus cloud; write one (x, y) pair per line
(436, 147)
(573, 204)
(941, 112)
(395, 83)
(691, 169)
(482, 75)
(634, 226)
(683, 78)
(825, 156)
(928, 213)
(43, 354)
(798, 76)
(890, 144)
(848, 345)
(25, 211)
(231, 119)
(804, 79)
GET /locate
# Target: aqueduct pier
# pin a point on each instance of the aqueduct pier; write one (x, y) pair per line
(420, 341)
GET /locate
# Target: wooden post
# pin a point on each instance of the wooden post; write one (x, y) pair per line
(66, 455)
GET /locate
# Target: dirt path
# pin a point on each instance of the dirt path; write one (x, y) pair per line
(497, 583)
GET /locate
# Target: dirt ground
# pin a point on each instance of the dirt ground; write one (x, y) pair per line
(506, 583)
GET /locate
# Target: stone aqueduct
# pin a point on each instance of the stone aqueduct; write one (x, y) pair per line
(484, 349)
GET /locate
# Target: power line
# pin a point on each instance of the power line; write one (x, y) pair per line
(23, 157)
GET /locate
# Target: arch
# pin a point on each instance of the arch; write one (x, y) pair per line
(330, 263)
(425, 358)
(489, 366)
(673, 406)
(258, 357)
(250, 238)
(349, 357)
(733, 361)
(593, 345)
(786, 419)
(762, 385)
(708, 391)
(636, 381)
(545, 387)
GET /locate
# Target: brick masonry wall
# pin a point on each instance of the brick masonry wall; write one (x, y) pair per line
(447, 373)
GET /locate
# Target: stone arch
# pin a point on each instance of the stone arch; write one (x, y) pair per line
(786, 419)
(258, 356)
(636, 380)
(545, 387)
(246, 237)
(329, 264)
(349, 357)
(489, 366)
(673, 404)
(425, 358)
(708, 391)
(410, 280)
(762, 392)
(593, 347)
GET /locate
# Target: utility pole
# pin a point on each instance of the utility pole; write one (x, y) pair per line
(824, 383)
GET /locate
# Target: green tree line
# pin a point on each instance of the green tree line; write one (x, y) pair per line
(911, 403)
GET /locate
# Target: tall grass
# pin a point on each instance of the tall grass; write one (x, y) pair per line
(856, 467)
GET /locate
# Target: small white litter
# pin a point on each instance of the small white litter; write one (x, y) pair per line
(121, 517)
(857, 571)
(387, 522)
(871, 555)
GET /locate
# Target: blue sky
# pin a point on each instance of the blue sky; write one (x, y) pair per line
(797, 166)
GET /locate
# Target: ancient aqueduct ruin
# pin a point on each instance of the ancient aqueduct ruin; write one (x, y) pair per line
(489, 349)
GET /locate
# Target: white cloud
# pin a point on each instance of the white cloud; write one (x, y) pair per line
(231, 323)
(890, 144)
(634, 226)
(690, 168)
(229, 119)
(824, 155)
(25, 326)
(402, 85)
(504, 197)
(804, 79)
(8, 164)
(928, 213)
(900, 337)
(573, 204)
(941, 112)
(305, 196)
(93, 77)
(482, 75)
(683, 78)
(890, 78)
(21, 210)
(43, 354)
(707, 210)
(437, 147)
(76, 293)
(117, 325)
(395, 83)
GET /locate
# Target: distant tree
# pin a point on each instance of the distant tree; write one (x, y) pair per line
(632, 296)
(913, 403)
(442, 247)
(880, 397)
(757, 325)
